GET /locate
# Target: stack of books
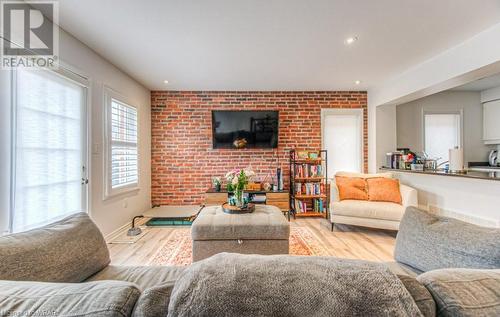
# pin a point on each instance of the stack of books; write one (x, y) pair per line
(307, 170)
(318, 205)
(309, 188)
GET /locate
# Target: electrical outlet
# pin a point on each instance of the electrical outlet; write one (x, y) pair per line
(125, 203)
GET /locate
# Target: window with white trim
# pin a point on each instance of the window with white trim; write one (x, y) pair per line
(122, 147)
(442, 132)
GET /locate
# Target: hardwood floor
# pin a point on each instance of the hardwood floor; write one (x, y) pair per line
(344, 242)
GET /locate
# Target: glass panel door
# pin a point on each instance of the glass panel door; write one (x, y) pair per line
(343, 139)
(49, 149)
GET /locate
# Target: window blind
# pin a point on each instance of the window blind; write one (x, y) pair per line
(124, 163)
(442, 133)
(342, 138)
(48, 149)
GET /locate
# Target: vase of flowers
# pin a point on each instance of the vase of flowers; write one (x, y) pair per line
(238, 180)
(216, 181)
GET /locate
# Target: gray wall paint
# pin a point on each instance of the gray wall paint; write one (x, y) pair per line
(409, 121)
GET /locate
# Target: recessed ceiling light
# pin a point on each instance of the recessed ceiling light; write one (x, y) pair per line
(351, 40)
(357, 82)
(165, 81)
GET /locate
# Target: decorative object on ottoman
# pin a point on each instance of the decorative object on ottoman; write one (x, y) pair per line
(217, 183)
(239, 178)
(265, 231)
(230, 209)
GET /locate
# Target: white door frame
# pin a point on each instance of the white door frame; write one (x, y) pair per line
(68, 73)
(339, 112)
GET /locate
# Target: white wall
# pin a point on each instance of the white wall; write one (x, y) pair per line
(112, 213)
(410, 125)
(479, 57)
(490, 94)
(472, 200)
(476, 58)
(385, 132)
(4, 150)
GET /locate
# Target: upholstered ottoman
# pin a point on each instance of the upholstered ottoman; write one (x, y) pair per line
(265, 231)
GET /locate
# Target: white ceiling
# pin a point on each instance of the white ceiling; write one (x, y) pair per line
(272, 44)
(481, 84)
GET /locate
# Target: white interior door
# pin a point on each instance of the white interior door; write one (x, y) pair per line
(342, 136)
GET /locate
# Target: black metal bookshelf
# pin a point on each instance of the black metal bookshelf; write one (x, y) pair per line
(300, 167)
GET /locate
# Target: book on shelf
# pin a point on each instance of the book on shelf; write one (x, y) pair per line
(308, 170)
(307, 155)
(309, 188)
(318, 205)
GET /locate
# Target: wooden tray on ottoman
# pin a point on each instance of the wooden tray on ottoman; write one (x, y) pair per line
(228, 209)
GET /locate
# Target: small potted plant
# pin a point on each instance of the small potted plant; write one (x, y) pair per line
(217, 183)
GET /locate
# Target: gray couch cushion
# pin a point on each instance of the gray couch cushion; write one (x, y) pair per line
(402, 269)
(428, 242)
(265, 223)
(154, 301)
(280, 285)
(67, 251)
(464, 292)
(420, 295)
(97, 299)
(156, 283)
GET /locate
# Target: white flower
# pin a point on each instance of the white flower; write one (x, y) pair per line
(248, 172)
(235, 181)
(216, 180)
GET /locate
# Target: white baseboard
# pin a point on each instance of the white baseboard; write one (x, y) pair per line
(463, 217)
(112, 235)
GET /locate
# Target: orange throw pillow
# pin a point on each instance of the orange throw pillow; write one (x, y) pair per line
(384, 189)
(351, 188)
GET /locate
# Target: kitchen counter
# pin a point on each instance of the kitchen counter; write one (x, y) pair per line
(493, 175)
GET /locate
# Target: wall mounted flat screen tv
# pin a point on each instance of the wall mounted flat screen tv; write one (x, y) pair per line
(244, 129)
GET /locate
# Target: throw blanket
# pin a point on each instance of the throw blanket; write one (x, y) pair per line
(281, 285)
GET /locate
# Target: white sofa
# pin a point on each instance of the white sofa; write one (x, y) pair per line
(374, 214)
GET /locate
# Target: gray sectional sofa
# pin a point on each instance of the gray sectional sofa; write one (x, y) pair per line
(63, 270)
(444, 267)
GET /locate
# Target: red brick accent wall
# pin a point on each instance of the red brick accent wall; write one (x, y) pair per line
(183, 161)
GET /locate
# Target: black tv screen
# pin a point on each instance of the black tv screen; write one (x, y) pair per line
(244, 129)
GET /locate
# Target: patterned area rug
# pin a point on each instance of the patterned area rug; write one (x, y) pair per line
(177, 249)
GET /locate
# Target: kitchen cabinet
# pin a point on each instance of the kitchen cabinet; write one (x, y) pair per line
(491, 122)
